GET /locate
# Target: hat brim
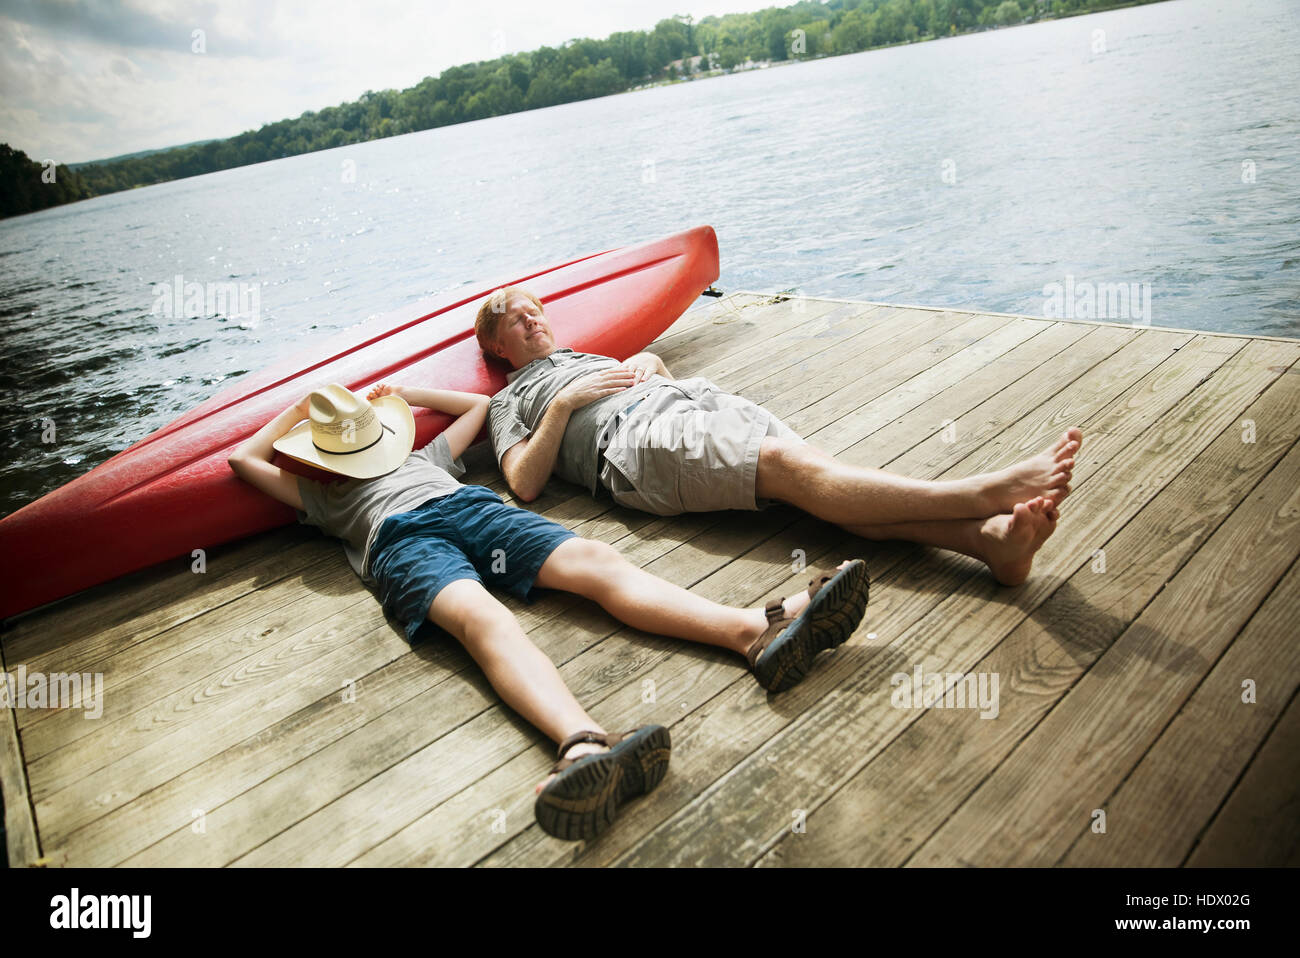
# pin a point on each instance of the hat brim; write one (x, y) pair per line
(380, 459)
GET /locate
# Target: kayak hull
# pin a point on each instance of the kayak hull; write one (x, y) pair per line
(174, 492)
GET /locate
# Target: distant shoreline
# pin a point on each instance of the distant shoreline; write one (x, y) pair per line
(766, 64)
(509, 84)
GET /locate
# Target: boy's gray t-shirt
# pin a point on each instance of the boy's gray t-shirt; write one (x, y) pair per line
(354, 509)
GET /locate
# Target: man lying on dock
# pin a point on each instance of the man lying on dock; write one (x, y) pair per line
(670, 446)
(433, 546)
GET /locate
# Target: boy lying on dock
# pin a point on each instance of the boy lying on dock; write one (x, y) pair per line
(669, 446)
(432, 547)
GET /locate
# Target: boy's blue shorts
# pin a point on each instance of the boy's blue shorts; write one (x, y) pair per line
(470, 534)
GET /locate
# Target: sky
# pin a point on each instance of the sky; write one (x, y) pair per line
(89, 79)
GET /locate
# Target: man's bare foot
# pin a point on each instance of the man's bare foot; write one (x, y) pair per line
(1007, 542)
(1047, 474)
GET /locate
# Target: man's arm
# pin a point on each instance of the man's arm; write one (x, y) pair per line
(529, 463)
(646, 365)
(252, 460)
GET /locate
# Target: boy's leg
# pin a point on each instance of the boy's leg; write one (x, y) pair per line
(517, 669)
(596, 571)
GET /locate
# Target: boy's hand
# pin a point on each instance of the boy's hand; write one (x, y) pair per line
(383, 389)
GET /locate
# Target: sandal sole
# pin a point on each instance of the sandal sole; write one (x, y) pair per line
(584, 800)
(826, 625)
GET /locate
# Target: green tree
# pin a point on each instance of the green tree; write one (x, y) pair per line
(1008, 12)
(577, 69)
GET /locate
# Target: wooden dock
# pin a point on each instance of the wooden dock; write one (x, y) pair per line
(265, 712)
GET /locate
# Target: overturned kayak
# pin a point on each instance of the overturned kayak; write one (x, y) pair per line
(173, 492)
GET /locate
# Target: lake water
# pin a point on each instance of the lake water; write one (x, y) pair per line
(1157, 147)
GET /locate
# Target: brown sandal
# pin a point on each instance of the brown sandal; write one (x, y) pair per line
(781, 656)
(583, 799)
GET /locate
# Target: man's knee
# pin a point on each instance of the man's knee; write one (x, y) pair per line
(781, 464)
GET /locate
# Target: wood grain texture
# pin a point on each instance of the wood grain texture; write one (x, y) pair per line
(223, 699)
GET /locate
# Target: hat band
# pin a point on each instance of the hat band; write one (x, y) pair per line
(351, 451)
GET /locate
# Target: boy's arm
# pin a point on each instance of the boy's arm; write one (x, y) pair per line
(252, 460)
(470, 410)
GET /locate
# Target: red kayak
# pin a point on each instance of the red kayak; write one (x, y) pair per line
(174, 492)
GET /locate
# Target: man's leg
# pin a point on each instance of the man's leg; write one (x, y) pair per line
(813, 480)
(1006, 542)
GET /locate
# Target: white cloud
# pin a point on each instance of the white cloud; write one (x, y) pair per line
(81, 84)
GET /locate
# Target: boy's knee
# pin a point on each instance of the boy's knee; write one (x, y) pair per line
(586, 565)
(593, 552)
(470, 611)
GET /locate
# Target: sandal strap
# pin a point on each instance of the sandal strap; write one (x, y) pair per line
(776, 621)
(608, 739)
(596, 738)
(775, 627)
(816, 585)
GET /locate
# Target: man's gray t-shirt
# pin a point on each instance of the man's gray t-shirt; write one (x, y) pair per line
(516, 411)
(353, 510)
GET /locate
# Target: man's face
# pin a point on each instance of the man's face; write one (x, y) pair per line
(523, 334)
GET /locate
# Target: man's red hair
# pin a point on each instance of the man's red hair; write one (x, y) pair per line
(488, 322)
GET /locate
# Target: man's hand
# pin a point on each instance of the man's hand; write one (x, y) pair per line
(643, 366)
(585, 390)
(646, 365)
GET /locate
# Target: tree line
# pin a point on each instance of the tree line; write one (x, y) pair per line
(577, 70)
(31, 186)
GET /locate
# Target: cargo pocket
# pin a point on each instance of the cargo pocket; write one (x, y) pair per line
(637, 480)
(702, 478)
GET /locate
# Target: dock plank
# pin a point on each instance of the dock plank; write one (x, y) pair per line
(1158, 812)
(1143, 679)
(227, 739)
(924, 583)
(22, 845)
(1260, 822)
(741, 813)
(882, 814)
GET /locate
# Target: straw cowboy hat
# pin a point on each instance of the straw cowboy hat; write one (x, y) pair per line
(347, 434)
